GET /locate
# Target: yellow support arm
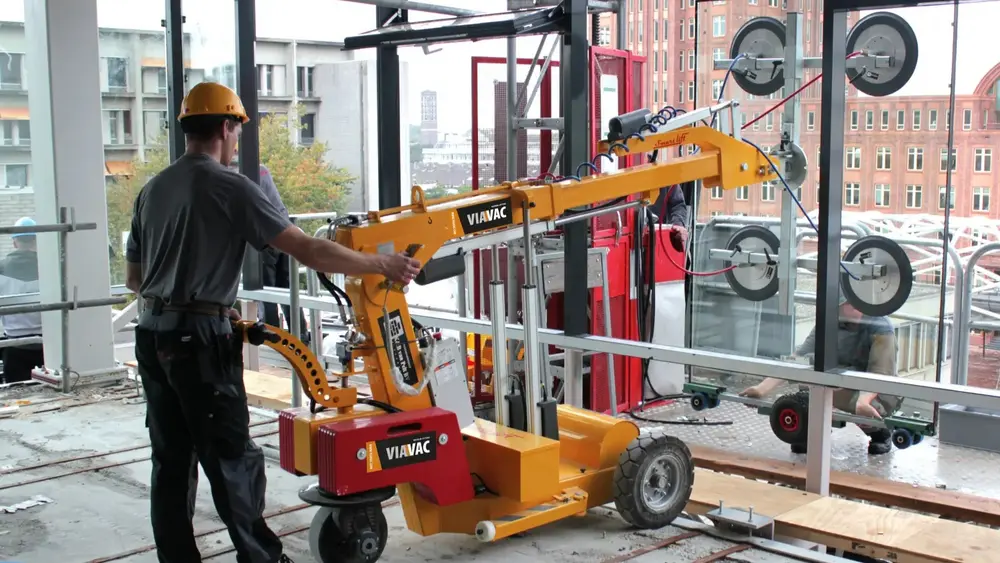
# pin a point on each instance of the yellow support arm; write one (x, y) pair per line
(722, 161)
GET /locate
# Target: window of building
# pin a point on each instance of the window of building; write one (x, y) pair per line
(665, 94)
(304, 82)
(307, 132)
(691, 61)
(944, 159)
(772, 3)
(641, 29)
(656, 29)
(810, 120)
(11, 77)
(718, 54)
(118, 127)
(15, 175)
(656, 60)
(717, 192)
(665, 63)
(682, 31)
(769, 122)
(714, 213)
(915, 159)
(852, 194)
(756, 123)
(718, 26)
(23, 132)
(869, 120)
(717, 91)
(117, 68)
(631, 33)
(914, 196)
(881, 195)
(691, 27)
(854, 120)
(885, 120)
(767, 191)
(900, 119)
(154, 126)
(947, 120)
(853, 157)
(691, 3)
(656, 94)
(932, 120)
(883, 158)
(983, 160)
(942, 197)
(680, 62)
(916, 120)
(980, 198)
(967, 120)
(161, 81)
(691, 91)
(265, 82)
(742, 193)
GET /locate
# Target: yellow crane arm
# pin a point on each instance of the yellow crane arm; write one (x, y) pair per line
(381, 311)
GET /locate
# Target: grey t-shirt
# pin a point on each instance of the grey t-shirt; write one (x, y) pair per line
(190, 227)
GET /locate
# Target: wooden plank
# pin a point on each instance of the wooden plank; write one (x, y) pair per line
(952, 504)
(887, 533)
(737, 492)
(267, 391)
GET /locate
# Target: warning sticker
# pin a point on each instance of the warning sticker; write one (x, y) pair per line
(394, 336)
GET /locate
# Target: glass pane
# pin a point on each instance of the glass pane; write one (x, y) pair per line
(133, 115)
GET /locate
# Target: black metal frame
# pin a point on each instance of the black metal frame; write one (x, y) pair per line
(173, 24)
(387, 108)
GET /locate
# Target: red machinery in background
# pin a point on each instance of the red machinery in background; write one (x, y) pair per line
(614, 73)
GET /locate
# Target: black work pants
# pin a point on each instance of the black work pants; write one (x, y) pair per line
(276, 274)
(18, 361)
(197, 412)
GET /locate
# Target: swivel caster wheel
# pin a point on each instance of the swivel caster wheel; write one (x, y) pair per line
(917, 438)
(902, 438)
(790, 418)
(349, 534)
(714, 402)
(653, 481)
(699, 401)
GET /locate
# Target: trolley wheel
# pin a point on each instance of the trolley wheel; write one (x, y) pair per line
(917, 438)
(714, 402)
(350, 534)
(653, 480)
(699, 401)
(902, 438)
(790, 418)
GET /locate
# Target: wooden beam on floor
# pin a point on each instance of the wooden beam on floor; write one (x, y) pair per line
(950, 504)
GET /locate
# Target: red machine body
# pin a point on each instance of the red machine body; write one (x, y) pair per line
(424, 448)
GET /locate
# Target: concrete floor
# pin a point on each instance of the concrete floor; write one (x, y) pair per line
(102, 513)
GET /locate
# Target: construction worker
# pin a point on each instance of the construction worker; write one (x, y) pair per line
(19, 274)
(864, 344)
(671, 204)
(184, 255)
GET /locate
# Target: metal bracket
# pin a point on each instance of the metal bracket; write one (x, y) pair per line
(741, 259)
(553, 123)
(742, 521)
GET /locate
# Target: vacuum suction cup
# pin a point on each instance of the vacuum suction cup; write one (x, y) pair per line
(796, 166)
(885, 294)
(759, 281)
(888, 35)
(761, 38)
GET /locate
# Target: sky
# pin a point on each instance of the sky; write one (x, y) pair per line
(448, 71)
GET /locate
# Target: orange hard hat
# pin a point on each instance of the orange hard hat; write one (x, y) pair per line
(212, 98)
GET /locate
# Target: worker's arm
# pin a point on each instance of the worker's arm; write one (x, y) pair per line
(133, 251)
(881, 359)
(767, 386)
(677, 209)
(262, 225)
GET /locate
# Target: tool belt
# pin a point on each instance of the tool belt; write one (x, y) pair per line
(157, 306)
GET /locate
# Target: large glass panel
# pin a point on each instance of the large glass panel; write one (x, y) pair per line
(133, 113)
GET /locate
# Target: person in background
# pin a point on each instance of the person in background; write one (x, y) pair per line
(864, 344)
(670, 203)
(19, 274)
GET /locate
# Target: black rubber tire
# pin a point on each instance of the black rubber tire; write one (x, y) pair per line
(336, 546)
(632, 464)
(794, 431)
(902, 438)
(699, 401)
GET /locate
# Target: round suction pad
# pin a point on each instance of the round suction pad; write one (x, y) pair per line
(885, 294)
(760, 38)
(759, 281)
(888, 35)
(796, 166)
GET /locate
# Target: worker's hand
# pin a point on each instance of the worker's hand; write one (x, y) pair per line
(865, 408)
(234, 315)
(678, 238)
(400, 268)
(682, 232)
(752, 393)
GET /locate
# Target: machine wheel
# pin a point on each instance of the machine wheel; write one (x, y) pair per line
(699, 401)
(653, 480)
(790, 418)
(714, 402)
(917, 438)
(902, 438)
(351, 534)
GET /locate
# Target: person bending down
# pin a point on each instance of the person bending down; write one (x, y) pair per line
(864, 344)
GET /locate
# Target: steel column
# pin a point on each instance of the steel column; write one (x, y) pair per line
(787, 272)
(512, 114)
(174, 26)
(621, 18)
(575, 74)
(246, 87)
(387, 103)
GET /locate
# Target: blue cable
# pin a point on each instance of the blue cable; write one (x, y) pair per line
(795, 199)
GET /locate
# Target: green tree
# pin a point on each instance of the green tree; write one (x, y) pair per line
(416, 148)
(306, 181)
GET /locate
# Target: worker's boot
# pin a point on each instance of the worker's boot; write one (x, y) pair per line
(881, 442)
(798, 448)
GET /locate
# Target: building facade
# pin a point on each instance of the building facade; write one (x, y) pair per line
(428, 118)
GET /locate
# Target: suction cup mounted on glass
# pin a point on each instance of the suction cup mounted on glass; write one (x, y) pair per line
(883, 294)
(759, 38)
(755, 281)
(883, 34)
